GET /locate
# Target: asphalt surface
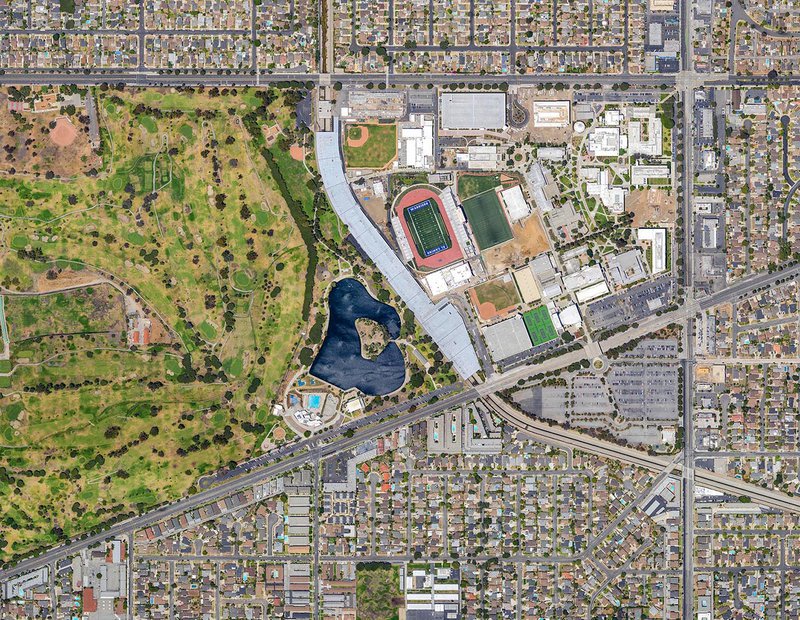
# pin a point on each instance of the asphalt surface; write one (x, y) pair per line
(300, 455)
(382, 422)
(710, 480)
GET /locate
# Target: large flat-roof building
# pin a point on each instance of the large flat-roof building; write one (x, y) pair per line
(472, 111)
(526, 285)
(441, 321)
(415, 143)
(516, 206)
(507, 338)
(657, 238)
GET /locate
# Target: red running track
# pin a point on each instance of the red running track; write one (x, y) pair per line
(441, 259)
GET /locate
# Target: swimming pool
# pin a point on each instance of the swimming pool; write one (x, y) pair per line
(314, 401)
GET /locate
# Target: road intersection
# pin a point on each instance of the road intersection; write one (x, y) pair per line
(292, 456)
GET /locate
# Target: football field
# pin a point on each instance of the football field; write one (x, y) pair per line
(427, 228)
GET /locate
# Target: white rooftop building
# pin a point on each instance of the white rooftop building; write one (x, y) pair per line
(592, 292)
(447, 279)
(507, 338)
(591, 274)
(626, 268)
(515, 203)
(613, 198)
(472, 111)
(605, 142)
(536, 179)
(657, 238)
(645, 133)
(570, 317)
(642, 173)
(551, 113)
(415, 143)
(480, 157)
(613, 118)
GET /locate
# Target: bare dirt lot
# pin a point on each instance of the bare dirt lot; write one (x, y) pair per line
(529, 240)
(651, 205)
(542, 135)
(57, 280)
(375, 206)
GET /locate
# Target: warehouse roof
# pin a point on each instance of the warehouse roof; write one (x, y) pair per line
(477, 111)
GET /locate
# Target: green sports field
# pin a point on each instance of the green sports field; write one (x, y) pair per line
(487, 220)
(427, 228)
(379, 149)
(539, 325)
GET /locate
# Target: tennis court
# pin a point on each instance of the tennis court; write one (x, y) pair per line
(487, 220)
(539, 325)
(427, 228)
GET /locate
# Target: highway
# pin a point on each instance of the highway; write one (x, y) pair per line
(568, 438)
(144, 77)
(295, 455)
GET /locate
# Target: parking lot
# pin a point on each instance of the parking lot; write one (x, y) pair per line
(632, 305)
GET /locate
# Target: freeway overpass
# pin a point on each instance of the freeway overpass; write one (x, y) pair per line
(592, 445)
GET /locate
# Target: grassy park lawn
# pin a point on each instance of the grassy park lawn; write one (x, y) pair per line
(473, 184)
(378, 591)
(214, 251)
(379, 149)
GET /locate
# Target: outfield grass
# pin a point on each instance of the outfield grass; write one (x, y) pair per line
(487, 220)
(539, 325)
(501, 294)
(379, 149)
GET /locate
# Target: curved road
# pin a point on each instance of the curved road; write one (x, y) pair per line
(295, 455)
(592, 445)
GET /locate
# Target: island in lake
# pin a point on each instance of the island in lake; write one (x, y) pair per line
(374, 364)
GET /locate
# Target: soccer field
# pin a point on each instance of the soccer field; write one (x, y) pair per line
(487, 220)
(539, 325)
(427, 228)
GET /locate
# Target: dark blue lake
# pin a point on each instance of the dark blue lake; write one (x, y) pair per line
(339, 360)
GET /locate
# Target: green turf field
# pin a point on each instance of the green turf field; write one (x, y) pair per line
(539, 325)
(488, 222)
(427, 228)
